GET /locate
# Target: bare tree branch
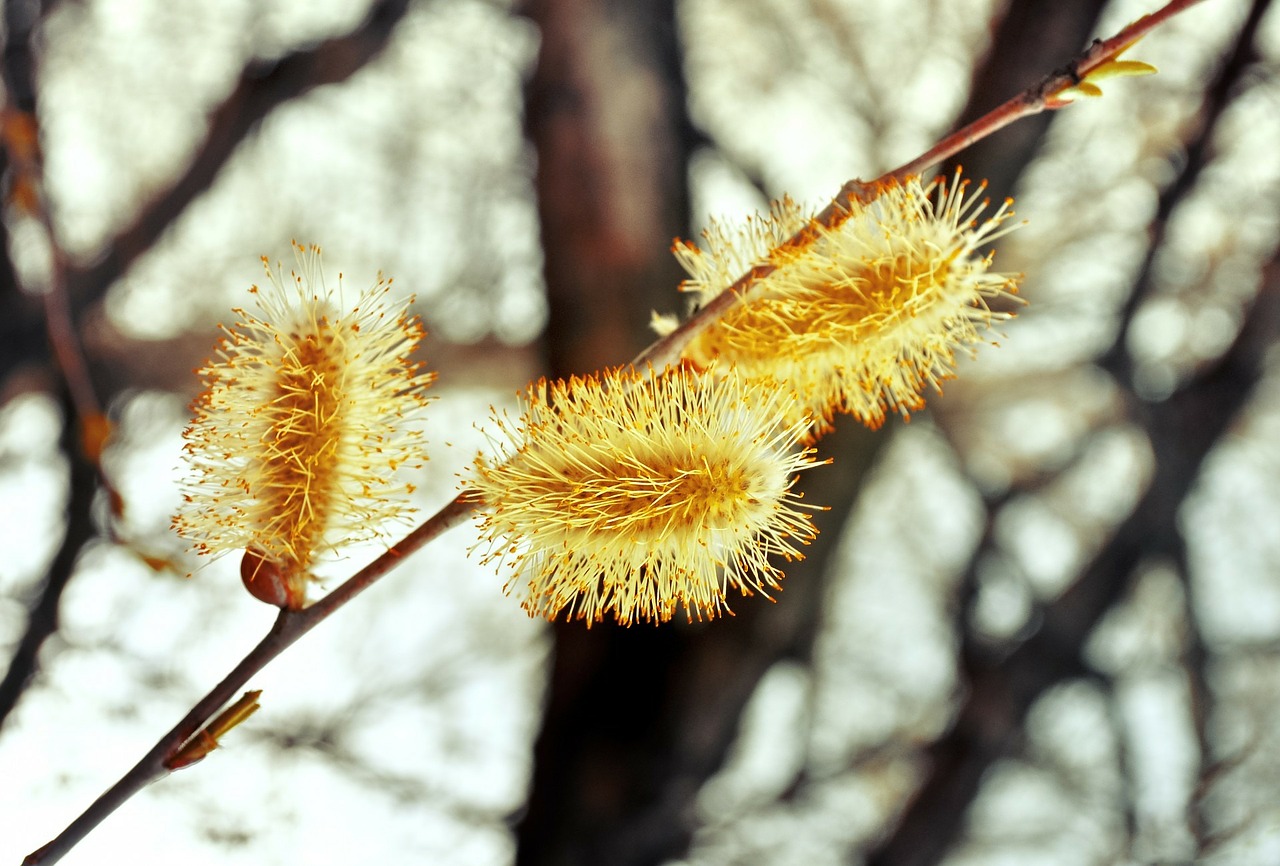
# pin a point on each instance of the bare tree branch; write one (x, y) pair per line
(42, 610)
(1001, 690)
(1183, 429)
(24, 195)
(264, 85)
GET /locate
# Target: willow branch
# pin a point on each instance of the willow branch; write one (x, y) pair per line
(293, 624)
(1044, 95)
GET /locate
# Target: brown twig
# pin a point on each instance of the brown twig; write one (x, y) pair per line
(43, 607)
(1042, 96)
(293, 624)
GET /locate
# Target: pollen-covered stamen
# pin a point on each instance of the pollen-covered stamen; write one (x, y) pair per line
(649, 502)
(305, 429)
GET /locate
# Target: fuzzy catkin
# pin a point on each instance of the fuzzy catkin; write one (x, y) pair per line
(636, 495)
(309, 408)
(862, 316)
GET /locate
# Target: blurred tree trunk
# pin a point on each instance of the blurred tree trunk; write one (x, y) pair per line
(637, 719)
(605, 112)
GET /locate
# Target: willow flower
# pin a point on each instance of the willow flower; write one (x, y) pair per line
(639, 494)
(860, 316)
(309, 409)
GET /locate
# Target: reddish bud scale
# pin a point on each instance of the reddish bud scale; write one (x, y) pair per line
(267, 583)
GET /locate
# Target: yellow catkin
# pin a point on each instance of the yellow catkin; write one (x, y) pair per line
(309, 409)
(861, 316)
(637, 495)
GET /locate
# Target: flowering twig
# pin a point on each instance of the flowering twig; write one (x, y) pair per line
(1056, 90)
(1053, 92)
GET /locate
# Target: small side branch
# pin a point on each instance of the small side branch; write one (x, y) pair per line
(288, 628)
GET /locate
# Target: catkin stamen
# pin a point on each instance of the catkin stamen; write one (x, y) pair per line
(860, 316)
(302, 441)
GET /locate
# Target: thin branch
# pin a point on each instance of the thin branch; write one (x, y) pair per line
(20, 135)
(84, 424)
(1001, 691)
(42, 610)
(1042, 96)
(288, 628)
(1128, 783)
(1182, 430)
(1200, 700)
(1199, 152)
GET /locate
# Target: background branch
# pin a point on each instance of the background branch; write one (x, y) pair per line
(1183, 430)
(263, 86)
(647, 813)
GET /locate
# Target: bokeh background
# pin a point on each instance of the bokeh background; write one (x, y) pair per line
(1041, 624)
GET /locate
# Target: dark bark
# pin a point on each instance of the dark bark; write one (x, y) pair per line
(1002, 688)
(24, 326)
(22, 334)
(605, 112)
(42, 607)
